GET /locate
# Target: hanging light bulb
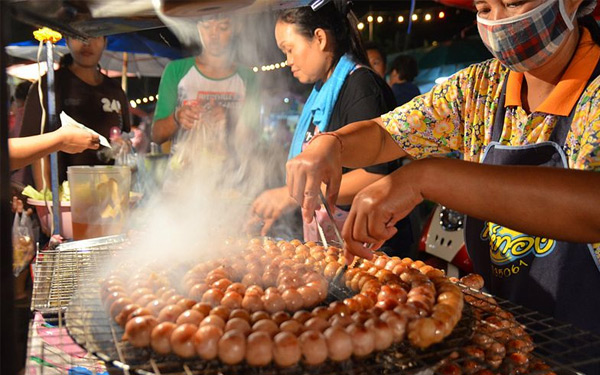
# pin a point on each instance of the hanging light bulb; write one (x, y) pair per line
(360, 26)
(400, 19)
(441, 15)
(415, 17)
(379, 19)
(370, 19)
(428, 17)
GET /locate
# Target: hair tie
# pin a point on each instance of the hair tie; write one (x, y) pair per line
(318, 4)
(349, 7)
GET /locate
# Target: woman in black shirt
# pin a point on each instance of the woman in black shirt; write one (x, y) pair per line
(323, 47)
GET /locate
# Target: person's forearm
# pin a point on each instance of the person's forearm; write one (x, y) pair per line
(367, 143)
(163, 129)
(555, 203)
(36, 168)
(24, 151)
(353, 182)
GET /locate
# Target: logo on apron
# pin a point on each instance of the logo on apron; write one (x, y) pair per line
(507, 245)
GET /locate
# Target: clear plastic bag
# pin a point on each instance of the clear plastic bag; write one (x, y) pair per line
(23, 242)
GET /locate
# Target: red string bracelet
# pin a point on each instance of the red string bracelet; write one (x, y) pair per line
(333, 134)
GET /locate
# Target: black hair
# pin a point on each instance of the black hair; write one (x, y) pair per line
(376, 47)
(406, 66)
(66, 61)
(590, 23)
(21, 90)
(336, 17)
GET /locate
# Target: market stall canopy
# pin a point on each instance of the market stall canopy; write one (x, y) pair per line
(144, 56)
(30, 72)
(87, 18)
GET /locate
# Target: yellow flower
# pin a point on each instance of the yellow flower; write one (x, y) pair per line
(47, 35)
(453, 142)
(451, 93)
(416, 121)
(442, 129)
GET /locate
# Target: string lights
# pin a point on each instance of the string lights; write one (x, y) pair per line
(381, 18)
(270, 67)
(145, 100)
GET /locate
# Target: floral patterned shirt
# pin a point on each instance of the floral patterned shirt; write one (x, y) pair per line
(458, 114)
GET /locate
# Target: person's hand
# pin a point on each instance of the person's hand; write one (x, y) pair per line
(377, 208)
(320, 162)
(187, 116)
(18, 207)
(74, 140)
(268, 207)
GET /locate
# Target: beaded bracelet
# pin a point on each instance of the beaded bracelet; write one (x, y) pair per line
(333, 134)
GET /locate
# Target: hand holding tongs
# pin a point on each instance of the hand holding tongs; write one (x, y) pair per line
(343, 270)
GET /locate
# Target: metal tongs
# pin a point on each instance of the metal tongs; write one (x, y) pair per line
(342, 270)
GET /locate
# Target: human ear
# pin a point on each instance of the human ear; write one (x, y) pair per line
(321, 38)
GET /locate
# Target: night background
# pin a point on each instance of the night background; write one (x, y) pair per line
(447, 25)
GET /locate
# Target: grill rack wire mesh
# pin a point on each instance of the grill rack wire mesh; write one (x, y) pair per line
(66, 298)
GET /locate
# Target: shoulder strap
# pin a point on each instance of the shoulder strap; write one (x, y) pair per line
(500, 113)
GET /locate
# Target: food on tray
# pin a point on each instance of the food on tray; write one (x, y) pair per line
(267, 305)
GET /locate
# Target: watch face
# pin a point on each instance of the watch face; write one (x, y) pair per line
(451, 220)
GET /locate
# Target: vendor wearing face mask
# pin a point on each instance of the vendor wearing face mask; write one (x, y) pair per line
(528, 125)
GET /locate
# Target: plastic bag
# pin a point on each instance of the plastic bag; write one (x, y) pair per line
(23, 242)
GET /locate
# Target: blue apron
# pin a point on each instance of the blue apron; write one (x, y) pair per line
(560, 279)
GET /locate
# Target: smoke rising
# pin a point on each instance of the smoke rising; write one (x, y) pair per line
(216, 170)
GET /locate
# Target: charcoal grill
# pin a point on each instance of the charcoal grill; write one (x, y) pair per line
(71, 303)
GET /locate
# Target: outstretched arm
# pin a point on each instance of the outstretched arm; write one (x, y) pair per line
(26, 150)
(556, 203)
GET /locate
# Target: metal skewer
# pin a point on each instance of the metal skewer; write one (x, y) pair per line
(330, 214)
(321, 233)
(342, 270)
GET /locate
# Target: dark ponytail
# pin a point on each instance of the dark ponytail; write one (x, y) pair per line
(335, 16)
(590, 23)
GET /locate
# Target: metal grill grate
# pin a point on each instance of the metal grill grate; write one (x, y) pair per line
(557, 347)
(57, 272)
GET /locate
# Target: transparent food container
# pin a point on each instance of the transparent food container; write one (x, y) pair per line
(99, 200)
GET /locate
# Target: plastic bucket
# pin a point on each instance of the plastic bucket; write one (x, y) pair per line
(66, 228)
(99, 200)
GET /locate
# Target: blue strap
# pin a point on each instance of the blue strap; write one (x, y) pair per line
(320, 103)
